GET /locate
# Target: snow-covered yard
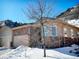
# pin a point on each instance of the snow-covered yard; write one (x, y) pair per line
(4, 50)
(23, 52)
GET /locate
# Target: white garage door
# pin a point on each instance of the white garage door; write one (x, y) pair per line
(21, 40)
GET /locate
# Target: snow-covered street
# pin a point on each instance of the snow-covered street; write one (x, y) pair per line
(23, 52)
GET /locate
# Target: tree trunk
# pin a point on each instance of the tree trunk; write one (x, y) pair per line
(43, 38)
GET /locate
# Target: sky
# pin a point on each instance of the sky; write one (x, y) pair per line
(13, 9)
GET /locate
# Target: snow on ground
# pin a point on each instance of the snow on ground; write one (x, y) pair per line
(3, 50)
(23, 52)
(66, 50)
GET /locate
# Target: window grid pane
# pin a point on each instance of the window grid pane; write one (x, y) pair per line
(50, 30)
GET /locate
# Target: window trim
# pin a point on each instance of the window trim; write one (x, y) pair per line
(56, 30)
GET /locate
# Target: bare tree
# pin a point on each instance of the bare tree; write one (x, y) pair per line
(38, 12)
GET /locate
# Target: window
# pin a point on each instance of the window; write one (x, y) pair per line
(50, 30)
(54, 30)
(77, 33)
(65, 32)
(46, 29)
(72, 33)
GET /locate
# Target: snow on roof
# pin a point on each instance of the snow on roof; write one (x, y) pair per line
(2, 23)
(74, 22)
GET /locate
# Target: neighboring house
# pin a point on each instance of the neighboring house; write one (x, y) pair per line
(5, 35)
(57, 34)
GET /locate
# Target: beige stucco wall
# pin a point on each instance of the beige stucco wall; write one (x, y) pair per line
(21, 40)
(6, 36)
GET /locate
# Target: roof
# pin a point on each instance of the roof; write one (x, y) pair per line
(37, 25)
(2, 23)
(30, 25)
(59, 20)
